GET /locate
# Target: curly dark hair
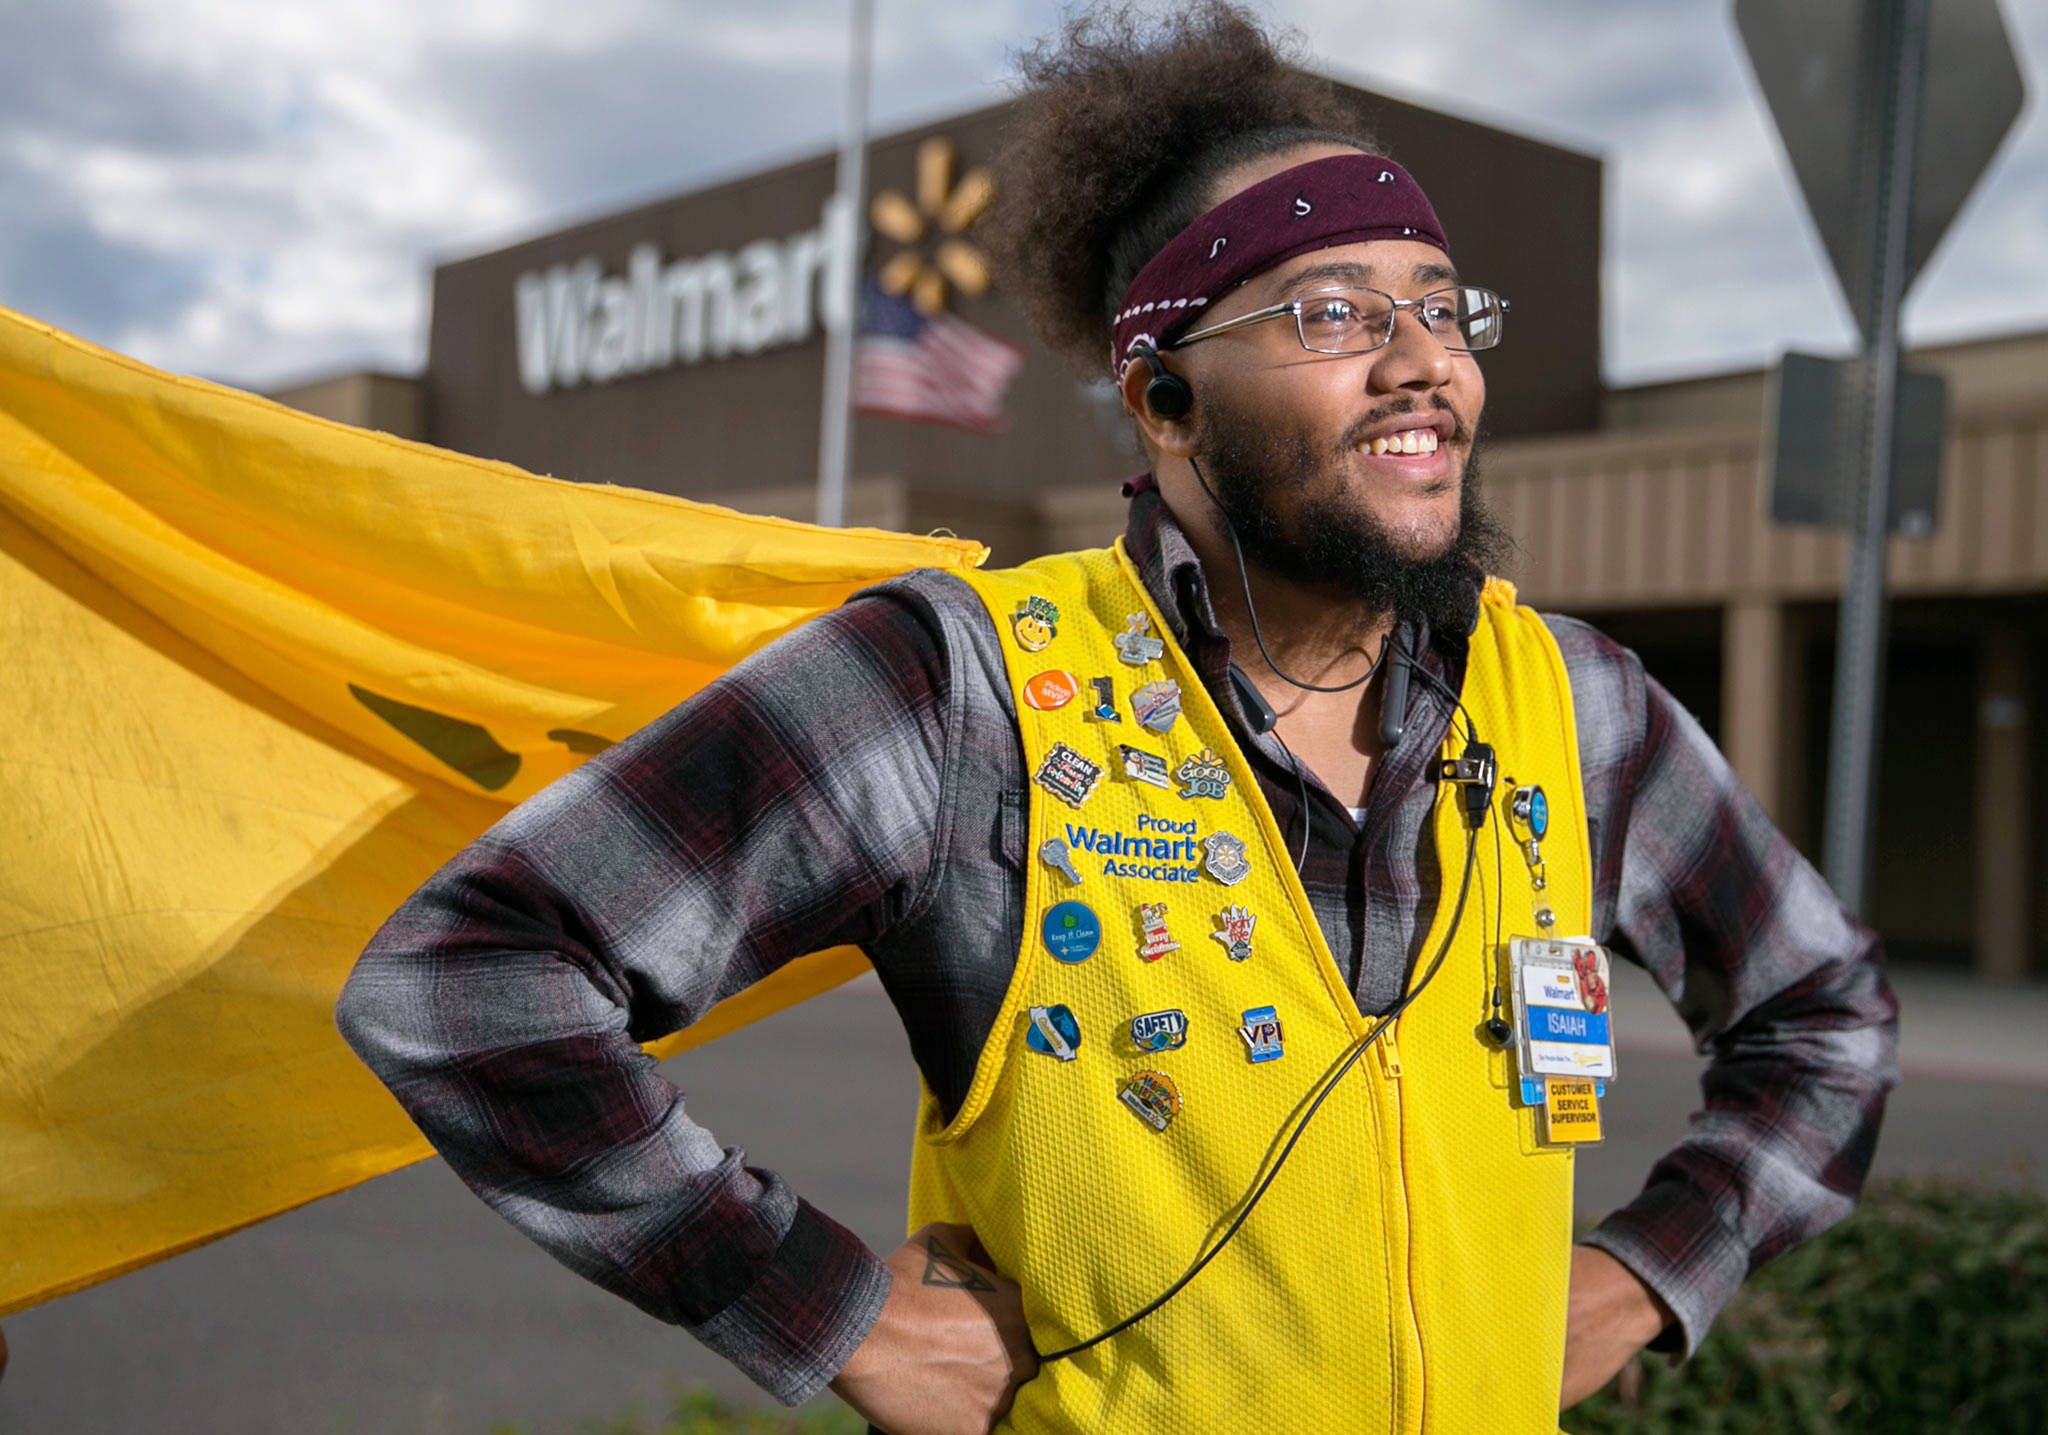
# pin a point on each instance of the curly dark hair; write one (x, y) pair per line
(1127, 120)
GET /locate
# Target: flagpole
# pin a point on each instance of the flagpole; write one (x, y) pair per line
(835, 426)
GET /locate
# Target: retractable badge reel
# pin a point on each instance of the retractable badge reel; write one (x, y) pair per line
(1563, 1036)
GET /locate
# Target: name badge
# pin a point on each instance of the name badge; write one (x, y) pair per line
(1562, 1025)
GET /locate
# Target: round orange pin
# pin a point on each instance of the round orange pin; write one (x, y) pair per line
(1053, 688)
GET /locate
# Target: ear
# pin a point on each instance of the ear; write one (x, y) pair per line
(1172, 437)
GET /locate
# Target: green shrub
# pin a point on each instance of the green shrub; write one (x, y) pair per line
(1926, 1311)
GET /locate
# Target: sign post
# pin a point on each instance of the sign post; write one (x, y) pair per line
(1870, 96)
(835, 421)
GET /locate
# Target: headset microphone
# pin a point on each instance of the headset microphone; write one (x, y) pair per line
(1394, 701)
(1257, 711)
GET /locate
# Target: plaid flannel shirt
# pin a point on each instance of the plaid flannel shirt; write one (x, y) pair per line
(861, 780)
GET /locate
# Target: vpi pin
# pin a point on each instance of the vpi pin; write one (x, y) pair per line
(1261, 1033)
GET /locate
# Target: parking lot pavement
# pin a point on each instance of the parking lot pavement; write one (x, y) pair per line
(404, 1307)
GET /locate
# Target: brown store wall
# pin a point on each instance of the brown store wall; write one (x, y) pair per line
(1522, 216)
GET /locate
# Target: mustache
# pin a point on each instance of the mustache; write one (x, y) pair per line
(1461, 432)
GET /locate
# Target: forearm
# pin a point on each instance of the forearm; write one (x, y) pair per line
(1778, 985)
(1794, 1096)
(517, 1065)
(504, 1003)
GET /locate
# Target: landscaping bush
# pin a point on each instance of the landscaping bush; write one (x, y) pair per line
(1926, 1311)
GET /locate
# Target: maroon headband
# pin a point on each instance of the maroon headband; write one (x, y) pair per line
(1346, 199)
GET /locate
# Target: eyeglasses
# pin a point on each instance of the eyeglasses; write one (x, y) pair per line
(1357, 321)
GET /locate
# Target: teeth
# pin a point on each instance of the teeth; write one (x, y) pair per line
(1413, 441)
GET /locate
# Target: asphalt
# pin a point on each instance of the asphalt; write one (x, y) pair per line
(406, 1306)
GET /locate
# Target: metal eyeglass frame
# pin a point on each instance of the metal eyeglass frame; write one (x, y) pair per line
(1395, 306)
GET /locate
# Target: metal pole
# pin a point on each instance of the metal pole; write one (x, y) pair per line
(835, 425)
(1859, 662)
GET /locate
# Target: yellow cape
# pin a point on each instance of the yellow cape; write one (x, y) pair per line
(263, 674)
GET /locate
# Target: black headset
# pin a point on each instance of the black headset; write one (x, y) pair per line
(1166, 393)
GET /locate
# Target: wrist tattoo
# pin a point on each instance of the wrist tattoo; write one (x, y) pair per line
(943, 1268)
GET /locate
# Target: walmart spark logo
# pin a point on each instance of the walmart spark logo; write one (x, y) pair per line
(943, 211)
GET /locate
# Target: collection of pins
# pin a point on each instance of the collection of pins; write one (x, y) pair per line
(1070, 930)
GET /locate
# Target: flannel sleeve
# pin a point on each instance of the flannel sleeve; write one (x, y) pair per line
(789, 806)
(1782, 990)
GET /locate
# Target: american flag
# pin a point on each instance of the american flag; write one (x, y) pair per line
(933, 367)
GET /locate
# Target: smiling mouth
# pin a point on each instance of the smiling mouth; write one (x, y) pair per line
(1416, 441)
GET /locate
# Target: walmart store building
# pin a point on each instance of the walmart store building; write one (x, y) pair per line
(679, 347)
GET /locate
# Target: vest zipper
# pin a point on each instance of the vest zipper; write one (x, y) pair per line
(1409, 1338)
(1390, 1054)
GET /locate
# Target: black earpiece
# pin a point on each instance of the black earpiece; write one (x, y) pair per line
(1166, 393)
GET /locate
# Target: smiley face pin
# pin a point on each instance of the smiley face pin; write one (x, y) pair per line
(1035, 624)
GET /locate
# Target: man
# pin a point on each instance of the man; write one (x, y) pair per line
(1300, 1175)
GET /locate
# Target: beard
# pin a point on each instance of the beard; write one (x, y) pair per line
(1329, 539)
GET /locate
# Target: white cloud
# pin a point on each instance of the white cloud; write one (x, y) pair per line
(257, 188)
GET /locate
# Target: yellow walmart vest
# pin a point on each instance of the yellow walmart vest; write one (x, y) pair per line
(1406, 1269)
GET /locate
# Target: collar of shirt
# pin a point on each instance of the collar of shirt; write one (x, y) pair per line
(1173, 573)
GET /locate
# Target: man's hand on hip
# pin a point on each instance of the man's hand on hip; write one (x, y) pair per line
(1609, 1316)
(950, 1348)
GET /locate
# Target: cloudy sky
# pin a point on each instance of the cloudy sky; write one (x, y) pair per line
(256, 190)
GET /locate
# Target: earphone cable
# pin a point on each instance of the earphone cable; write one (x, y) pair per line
(1245, 580)
(1300, 1125)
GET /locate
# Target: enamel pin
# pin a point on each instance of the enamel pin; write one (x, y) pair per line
(1067, 775)
(1103, 709)
(1156, 705)
(1204, 775)
(1035, 624)
(1152, 1097)
(1160, 1030)
(1071, 931)
(1054, 1031)
(1261, 1033)
(1143, 766)
(1235, 931)
(1158, 941)
(1056, 855)
(1134, 645)
(1051, 690)
(1223, 858)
